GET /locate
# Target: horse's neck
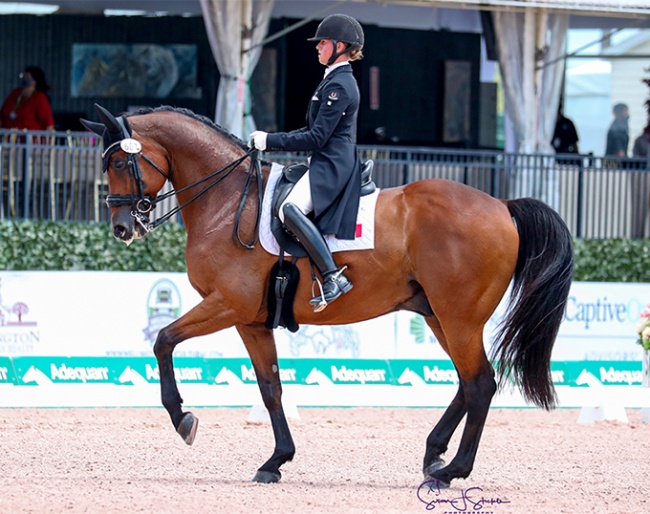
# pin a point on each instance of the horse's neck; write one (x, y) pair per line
(200, 159)
(195, 161)
(212, 201)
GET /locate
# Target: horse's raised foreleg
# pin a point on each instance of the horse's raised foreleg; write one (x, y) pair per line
(260, 344)
(438, 439)
(200, 320)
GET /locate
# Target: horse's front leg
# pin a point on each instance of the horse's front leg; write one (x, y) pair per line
(260, 344)
(200, 320)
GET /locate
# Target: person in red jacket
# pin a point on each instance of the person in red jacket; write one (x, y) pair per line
(27, 106)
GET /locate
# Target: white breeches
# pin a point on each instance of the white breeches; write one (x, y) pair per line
(300, 196)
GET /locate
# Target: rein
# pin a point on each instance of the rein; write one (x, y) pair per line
(142, 205)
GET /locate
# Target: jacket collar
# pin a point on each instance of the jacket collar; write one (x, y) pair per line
(335, 67)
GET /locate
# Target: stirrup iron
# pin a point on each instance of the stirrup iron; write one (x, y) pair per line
(320, 306)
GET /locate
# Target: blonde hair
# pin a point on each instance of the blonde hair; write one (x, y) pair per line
(356, 54)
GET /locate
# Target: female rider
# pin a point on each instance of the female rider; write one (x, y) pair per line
(332, 186)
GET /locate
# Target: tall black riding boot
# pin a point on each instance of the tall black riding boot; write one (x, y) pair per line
(335, 282)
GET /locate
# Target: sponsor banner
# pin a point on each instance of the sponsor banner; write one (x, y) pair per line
(119, 314)
(133, 382)
(136, 371)
(596, 373)
(7, 375)
(418, 372)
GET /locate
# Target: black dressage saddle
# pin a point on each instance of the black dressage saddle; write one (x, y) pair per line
(290, 175)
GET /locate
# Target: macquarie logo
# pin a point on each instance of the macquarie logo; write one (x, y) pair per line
(18, 332)
(163, 307)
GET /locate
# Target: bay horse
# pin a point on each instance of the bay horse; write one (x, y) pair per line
(442, 249)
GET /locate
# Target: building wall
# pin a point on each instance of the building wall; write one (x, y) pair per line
(46, 41)
(411, 64)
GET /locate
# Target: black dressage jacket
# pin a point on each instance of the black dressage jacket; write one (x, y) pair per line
(330, 136)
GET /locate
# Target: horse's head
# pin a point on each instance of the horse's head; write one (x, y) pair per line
(136, 172)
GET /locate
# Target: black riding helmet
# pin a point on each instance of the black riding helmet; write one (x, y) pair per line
(340, 28)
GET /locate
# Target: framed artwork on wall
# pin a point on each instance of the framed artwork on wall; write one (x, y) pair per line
(457, 101)
(134, 71)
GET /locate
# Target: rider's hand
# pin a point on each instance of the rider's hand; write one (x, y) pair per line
(259, 139)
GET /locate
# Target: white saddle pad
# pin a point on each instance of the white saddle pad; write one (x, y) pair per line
(365, 236)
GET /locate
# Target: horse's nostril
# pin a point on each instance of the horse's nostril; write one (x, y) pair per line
(119, 231)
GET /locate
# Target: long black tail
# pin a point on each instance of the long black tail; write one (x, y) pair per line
(540, 289)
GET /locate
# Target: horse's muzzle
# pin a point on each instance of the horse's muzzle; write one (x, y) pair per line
(125, 227)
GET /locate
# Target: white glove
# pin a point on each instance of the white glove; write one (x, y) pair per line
(259, 139)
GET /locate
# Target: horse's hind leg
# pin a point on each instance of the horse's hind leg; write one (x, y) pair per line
(261, 348)
(438, 439)
(478, 387)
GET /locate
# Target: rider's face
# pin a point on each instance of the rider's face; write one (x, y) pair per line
(325, 49)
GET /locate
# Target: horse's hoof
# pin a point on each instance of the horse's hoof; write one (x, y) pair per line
(435, 483)
(430, 474)
(187, 428)
(266, 477)
(434, 466)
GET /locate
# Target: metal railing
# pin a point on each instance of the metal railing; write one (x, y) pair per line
(598, 197)
(51, 175)
(57, 176)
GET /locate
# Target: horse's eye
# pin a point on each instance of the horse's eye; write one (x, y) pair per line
(119, 164)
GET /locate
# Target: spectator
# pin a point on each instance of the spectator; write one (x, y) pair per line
(565, 136)
(27, 106)
(617, 136)
(639, 184)
(641, 146)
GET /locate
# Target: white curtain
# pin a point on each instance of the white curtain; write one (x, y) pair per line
(526, 42)
(509, 30)
(234, 28)
(551, 81)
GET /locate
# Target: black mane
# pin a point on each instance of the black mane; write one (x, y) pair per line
(186, 112)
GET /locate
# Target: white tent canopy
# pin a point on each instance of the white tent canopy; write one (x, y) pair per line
(599, 7)
(604, 8)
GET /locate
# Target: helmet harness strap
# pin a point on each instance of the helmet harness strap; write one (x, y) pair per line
(335, 54)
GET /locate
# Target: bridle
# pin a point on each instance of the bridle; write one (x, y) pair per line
(142, 204)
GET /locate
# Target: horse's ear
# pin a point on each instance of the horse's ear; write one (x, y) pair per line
(93, 126)
(112, 125)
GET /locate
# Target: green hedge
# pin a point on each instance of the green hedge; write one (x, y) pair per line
(28, 245)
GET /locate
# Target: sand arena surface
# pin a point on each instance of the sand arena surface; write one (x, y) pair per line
(347, 460)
